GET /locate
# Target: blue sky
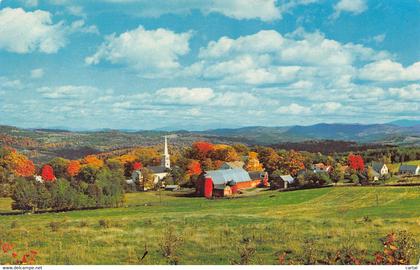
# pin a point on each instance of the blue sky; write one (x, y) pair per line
(190, 64)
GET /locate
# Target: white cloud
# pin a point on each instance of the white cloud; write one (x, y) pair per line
(379, 38)
(269, 57)
(37, 73)
(69, 92)
(265, 10)
(410, 92)
(30, 3)
(294, 109)
(184, 96)
(7, 84)
(25, 32)
(151, 52)
(388, 71)
(351, 6)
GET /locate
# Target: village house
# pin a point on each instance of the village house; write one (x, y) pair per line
(380, 168)
(409, 169)
(221, 183)
(321, 167)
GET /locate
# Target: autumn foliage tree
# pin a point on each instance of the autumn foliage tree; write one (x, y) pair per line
(194, 168)
(93, 162)
(253, 164)
(20, 164)
(47, 173)
(73, 168)
(201, 150)
(137, 166)
(356, 162)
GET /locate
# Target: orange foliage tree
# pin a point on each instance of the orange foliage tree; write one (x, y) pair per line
(93, 161)
(194, 168)
(73, 168)
(20, 164)
(201, 150)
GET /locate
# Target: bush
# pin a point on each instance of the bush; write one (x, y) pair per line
(169, 245)
(104, 223)
(55, 226)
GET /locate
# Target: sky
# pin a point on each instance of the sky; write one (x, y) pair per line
(191, 64)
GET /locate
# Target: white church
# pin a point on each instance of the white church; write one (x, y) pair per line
(158, 172)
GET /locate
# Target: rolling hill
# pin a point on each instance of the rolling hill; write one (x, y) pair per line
(43, 144)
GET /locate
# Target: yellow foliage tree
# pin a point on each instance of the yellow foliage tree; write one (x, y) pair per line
(253, 163)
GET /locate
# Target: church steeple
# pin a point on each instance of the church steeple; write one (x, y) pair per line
(166, 161)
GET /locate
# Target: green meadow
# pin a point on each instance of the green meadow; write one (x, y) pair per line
(320, 221)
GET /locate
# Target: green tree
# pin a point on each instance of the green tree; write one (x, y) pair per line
(24, 195)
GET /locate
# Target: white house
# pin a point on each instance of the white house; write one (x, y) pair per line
(380, 168)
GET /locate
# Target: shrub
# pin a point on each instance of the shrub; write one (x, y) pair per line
(247, 251)
(169, 245)
(83, 224)
(55, 226)
(104, 223)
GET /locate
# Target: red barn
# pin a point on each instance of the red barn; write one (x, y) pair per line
(222, 183)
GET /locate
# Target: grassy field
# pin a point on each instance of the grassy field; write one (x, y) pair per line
(322, 220)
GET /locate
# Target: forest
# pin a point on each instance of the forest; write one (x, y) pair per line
(97, 181)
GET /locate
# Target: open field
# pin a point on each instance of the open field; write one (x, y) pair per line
(211, 230)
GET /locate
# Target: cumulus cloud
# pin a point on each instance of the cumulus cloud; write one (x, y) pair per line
(25, 32)
(37, 73)
(409, 92)
(151, 52)
(184, 96)
(351, 6)
(389, 71)
(269, 57)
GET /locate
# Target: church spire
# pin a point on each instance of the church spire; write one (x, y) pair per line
(166, 161)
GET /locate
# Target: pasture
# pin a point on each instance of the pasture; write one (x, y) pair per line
(214, 231)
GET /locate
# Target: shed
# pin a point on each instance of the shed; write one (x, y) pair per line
(287, 180)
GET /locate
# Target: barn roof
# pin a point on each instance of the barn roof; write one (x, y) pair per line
(408, 168)
(220, 177)
(256, 175)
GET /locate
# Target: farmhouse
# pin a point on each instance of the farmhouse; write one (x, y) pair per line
(222, 183)
(410, 169)
(380, 168)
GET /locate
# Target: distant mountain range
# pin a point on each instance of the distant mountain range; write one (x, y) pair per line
(46, 143)
(374, 133)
